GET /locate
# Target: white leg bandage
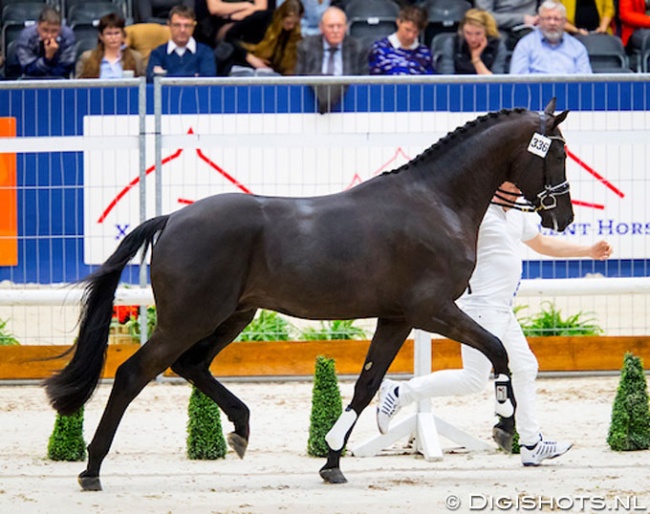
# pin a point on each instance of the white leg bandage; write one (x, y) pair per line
(335, 438)
(503, 407)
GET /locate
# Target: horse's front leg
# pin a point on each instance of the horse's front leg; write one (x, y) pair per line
(450, 321)
(386, 342)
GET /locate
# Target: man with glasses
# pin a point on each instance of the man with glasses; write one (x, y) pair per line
(182, 55)
(548, 49)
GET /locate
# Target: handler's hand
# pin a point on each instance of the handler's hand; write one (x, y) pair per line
(600, 250)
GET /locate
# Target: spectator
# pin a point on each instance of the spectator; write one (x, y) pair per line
(144, 37)
(345, 55)
(477, 49)
(548, 50)
(156, 11)
(221, 20)
(278, 51)
(515, 18)
(182, 56)
(587, 16)
(46, 49)
(111, 57)
(634, 23)
(401, 53)
(314, 9)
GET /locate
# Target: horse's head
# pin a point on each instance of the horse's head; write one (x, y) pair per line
(540, 173)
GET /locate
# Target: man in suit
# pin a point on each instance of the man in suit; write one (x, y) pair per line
(331, 53)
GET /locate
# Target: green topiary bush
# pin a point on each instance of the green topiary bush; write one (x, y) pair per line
(630, 426)
(67, 440)
(326, 406)
(205, 439)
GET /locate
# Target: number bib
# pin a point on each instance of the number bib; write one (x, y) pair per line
(539, 145)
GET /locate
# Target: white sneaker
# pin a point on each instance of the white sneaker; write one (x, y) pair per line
(388, 404)
(544, 449)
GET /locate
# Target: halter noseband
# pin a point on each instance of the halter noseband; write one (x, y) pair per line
(548, 196)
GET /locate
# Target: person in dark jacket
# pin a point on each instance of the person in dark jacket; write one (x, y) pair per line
(46, 49)
(477, 49)
(182, 55)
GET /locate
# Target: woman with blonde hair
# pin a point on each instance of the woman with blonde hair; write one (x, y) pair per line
(111, 58)
(477, 48)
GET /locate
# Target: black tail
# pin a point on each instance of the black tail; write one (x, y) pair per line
(71, 387)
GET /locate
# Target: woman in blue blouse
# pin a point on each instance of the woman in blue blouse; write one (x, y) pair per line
(401, 53)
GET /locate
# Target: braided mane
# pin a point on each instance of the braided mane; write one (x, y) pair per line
(453, 136)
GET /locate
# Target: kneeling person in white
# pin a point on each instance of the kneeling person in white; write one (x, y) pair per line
(488, 300)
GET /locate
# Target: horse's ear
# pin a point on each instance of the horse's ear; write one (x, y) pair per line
(550, 108)
(559, 119)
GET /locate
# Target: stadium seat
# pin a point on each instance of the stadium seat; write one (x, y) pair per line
(89, 13)
(21, 12)
(606, 53)
(371, 20)
(85, 31)
(11, 65)
(437, 46)
(444, 16)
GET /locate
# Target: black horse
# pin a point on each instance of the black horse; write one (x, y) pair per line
(400, 247)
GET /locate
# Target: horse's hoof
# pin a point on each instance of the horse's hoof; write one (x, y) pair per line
(332, 476)
(237, 443)
(89, 483)
(503, 439)
(503, 433)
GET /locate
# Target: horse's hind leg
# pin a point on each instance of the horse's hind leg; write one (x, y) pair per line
(131, 377)
(388, 339)
(194, 366)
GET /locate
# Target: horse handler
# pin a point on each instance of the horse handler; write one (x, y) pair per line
(488, 300)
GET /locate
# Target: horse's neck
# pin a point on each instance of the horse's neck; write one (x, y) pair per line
(470, 171)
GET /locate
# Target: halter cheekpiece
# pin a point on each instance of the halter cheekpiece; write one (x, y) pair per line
(539, 145)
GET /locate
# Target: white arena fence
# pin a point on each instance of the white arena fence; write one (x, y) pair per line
(82, 162)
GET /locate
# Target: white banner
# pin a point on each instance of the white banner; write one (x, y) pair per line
(313, 154)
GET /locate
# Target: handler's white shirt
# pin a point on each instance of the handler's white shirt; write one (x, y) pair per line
(498, 258)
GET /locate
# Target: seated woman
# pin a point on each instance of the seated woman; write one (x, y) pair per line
(634, 23)
(278, 51)
(401, 53)
(111, 58)
(237, 20)
(588, 16)
(477, 48)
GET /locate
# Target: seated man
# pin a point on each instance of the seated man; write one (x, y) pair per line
(548, 49)
(332, 52)
(182, 56)
(46, 49)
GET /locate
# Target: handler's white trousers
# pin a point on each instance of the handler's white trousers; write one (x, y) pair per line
(476, 371)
